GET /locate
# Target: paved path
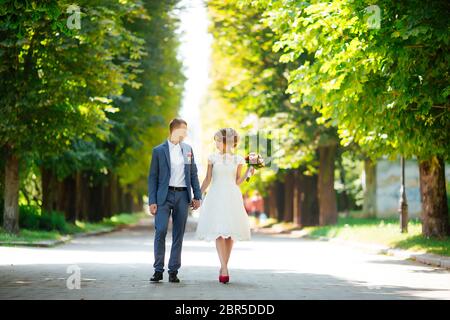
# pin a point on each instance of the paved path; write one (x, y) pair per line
(118, 266)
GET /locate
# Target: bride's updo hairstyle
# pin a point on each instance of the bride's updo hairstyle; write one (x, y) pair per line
(228, 136)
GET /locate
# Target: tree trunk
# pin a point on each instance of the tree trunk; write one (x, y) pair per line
(128, 203)
(308, 200)
(327, 197)
(272, 210)
(296, 201)
(140, 203)
(59, 196)
(85, 197)
(68, 198)
(49, 186)
(96, 202)
(105, 198)
(370, 188)
(435, 218)
(288, 197)
(2, 178)
(280, 200)
(122, 198)
(113, 196)
(11, 208)
(78, 196)
(129, 199)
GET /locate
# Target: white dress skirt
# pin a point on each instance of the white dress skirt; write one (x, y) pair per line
(222, 213)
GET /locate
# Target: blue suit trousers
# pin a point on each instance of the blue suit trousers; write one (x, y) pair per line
(177, 205)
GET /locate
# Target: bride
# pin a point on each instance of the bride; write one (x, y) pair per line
(223, 217)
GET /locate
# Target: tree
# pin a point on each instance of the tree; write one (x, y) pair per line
(109, 173)
(252, 78)
(385, 86)
(55, 82)
(142, 121)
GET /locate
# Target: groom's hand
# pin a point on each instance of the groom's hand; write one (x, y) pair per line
(153, 208)
(195, 204)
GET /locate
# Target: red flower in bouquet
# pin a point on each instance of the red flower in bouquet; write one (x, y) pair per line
(254, 160)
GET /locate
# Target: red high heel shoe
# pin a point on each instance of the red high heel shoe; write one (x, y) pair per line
(224, 279)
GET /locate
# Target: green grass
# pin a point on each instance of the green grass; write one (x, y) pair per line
(32, 236)
(383, 231)
(29, 236)
(122, 219)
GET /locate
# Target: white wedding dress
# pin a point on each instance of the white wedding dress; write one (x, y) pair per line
(222, 213)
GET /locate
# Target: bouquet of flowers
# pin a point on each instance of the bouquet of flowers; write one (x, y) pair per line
(254, 160)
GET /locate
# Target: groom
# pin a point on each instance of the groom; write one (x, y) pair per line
(172, 174)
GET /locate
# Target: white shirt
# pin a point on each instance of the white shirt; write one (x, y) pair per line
(176, 166)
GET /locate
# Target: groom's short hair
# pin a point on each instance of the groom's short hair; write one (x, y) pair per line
(176, 123)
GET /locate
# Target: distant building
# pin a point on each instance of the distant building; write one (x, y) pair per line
(388, 187)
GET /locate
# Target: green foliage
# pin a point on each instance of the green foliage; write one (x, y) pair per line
(91, 100)
(385, 88)
(144, 114)
(352, 167)
(141, 110)
(56, 83)
(251, 77)
(53, 221)
(33, 218)
(29, 217)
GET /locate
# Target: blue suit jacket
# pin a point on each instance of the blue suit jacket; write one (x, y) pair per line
(159, 176)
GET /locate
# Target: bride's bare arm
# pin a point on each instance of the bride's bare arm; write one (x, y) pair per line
(207, 179)
(239, 178)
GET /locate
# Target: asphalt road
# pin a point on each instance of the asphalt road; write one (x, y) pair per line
(118, 266)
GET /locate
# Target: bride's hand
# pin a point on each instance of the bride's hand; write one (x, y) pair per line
(195, 204)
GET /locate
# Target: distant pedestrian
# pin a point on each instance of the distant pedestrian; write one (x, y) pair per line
(257, 205)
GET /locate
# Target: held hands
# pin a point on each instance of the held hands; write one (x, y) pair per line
(195, 204)
(153, 208)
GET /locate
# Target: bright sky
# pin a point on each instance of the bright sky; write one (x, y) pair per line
(195, 54)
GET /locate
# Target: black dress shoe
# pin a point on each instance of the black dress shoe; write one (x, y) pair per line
(157, 276)
(173, 277)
